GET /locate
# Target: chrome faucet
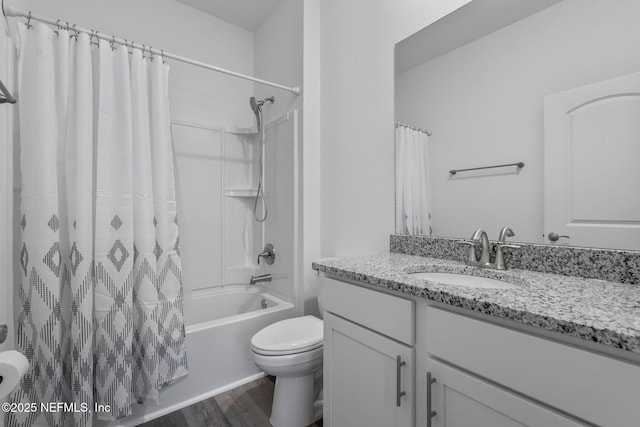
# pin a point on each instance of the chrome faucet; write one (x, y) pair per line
(481, 235)
(260, 278)
(485, 259)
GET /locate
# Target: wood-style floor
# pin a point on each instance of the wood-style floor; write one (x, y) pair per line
(246, 406)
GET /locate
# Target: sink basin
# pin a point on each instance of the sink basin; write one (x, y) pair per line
(464, 280)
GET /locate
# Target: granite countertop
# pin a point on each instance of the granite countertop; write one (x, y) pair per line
(595, 310)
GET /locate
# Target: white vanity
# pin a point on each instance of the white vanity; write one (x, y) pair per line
(398, 347)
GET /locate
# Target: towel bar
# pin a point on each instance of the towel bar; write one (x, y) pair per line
(455, 171)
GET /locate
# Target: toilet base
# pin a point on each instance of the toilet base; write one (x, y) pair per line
(293, 402)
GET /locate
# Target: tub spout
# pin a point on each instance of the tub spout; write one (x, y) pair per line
(260, 278)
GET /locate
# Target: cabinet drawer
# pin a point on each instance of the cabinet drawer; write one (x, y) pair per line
(590, 386)
(386, 314)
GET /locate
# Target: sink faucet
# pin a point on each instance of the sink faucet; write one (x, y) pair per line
(260, 278)
(481, 235)
(485, 260)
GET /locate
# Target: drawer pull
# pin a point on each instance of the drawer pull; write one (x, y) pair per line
(430, 413)
(399, 392)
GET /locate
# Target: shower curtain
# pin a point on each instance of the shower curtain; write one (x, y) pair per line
(413, 195)
(100, 306)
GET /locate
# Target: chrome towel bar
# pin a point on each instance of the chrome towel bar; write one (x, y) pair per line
(520, 165)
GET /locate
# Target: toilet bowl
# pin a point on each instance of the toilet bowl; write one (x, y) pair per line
(291, 350)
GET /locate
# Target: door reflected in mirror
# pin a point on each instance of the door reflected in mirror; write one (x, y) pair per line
(486, 81)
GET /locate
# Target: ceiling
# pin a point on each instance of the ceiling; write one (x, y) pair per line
(248, 14)
(468, 23)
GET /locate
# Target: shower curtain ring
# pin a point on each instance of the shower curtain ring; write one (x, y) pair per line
(29, 20)
(76, 32)
(162, 52)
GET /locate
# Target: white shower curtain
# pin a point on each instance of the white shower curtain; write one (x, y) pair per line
(413, 195)
(100, 307)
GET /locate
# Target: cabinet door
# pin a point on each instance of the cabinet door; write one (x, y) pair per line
(361, 384)
(462, 400)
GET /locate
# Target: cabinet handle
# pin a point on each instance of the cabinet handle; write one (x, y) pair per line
(430, 413)
(399, 393)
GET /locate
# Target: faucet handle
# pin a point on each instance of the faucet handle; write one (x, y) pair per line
(500, 263)
(508, 245)
(268, 253)
(472, 250)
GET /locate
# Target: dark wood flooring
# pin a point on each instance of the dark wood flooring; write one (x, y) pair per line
(246, 406)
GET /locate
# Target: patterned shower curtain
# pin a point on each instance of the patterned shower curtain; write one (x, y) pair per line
(100, 306)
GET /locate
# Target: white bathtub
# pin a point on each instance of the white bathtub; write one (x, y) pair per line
(220, 323)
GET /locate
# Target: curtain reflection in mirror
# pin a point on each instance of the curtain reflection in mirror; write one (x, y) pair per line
(413, 196)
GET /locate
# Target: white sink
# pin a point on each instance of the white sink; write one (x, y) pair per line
(464, 280)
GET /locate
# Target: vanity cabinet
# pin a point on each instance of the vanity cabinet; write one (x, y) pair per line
(488, 371)
(459, 399)
(505, 377)
(368, 357)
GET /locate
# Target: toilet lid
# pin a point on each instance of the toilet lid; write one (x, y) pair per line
(289, 336)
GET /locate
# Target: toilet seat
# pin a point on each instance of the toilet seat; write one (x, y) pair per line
(290, 336)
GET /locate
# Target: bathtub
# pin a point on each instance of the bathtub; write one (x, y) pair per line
(219, 324)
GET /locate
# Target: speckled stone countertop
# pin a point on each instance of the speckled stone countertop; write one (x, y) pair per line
(591, 309)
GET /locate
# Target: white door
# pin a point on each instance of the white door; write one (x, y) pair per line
(461, 400)
(591, 164)
(362, 387)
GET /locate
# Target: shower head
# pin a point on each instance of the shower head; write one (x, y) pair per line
(256, 106)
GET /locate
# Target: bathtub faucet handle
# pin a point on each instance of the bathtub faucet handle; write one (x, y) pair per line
(268, 253)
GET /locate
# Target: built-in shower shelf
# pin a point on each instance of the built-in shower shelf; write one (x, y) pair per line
(241, 192)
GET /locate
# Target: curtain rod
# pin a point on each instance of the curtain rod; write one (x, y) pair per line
(13, 12)
(428, 132)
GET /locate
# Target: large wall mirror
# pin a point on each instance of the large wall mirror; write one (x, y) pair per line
(551, 88)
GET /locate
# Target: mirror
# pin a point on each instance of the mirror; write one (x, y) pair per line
(486, 81)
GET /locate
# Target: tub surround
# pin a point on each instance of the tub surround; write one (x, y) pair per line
(600, 311)
(591, 263)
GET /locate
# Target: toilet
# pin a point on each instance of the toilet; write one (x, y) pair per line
(291, 350)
